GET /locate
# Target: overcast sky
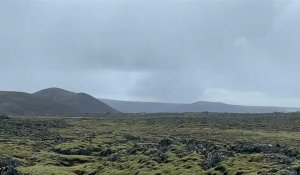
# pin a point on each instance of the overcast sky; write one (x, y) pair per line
(235, 51)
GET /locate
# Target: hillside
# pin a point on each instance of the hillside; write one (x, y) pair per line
(201, 106)
(82, 102)
(52, 101)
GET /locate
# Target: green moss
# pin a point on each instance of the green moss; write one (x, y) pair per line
(249, 164)
(296, 165)
(58, 170)
(45, 169)
(95, 135)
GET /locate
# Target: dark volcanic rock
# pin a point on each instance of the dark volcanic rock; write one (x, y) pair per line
(291, 172)
(9, 171)
(130, 137)
(3, 116)
(77, 151)
(203, 147)
(221, 169)
(160, 157)
(134, 149)
(214, 159)
(280, 158)
(8, 162)
(250, 148)
(8, 166)
(72, 152)
(143, 148)
(79, 172)
(106, 153)
(165, 142)
(114, 157)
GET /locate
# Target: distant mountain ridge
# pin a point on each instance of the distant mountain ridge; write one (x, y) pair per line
(201, 106)
(56, 101)
(51, 101)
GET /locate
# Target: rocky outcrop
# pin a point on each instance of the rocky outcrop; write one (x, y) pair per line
(8, 166)
(9, 171)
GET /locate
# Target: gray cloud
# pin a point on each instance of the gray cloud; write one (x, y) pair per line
(178, 51)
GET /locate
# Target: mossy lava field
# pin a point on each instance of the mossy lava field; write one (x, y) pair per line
(154, 144)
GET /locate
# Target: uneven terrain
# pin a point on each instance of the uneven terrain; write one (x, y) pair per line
(157, 144)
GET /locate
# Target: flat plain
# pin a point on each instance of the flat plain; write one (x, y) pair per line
(155, 144)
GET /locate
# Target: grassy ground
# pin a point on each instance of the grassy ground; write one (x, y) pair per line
(136, 144)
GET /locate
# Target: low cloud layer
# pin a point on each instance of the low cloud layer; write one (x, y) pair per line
(172, 51)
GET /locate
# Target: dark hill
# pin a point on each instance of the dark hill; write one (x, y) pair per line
(82, 102)
(19, 103)
(52, 101)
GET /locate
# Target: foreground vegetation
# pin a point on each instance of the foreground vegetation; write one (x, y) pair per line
(136, 144)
